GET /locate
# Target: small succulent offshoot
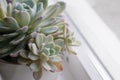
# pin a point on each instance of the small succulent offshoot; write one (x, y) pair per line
(34, 33)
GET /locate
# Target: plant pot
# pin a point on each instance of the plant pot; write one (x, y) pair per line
(20, 72)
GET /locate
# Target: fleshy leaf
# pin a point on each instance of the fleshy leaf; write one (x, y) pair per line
(33, 48)
(60, 42)
(49, 45)
(45, 2)
(54, 10)
(32, 56)
(17, 40)
(55, 58)
(22, 17)
(52, 52)
(24, 54)
(39, 40)
(47, 66)
(49, 30)
(58, 48)
(46, 51)
(49, 38)
(37, 75)
(23, 61)
(11, 22)
(35, 67)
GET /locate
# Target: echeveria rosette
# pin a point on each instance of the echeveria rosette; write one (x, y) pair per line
(34, 33)
(44, 53)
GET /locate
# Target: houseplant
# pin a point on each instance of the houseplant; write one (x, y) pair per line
(34, 34)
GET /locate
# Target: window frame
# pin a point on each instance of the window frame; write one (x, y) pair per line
(103, 44)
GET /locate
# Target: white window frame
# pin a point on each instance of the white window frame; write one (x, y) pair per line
(103, 60)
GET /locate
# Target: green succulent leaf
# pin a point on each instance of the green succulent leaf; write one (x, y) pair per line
(39, 12)
(39, 40)
(9, 9)
(44, 57)
(23, 61)
(23, 18)
(24, 54)
(52, 52)
(51, 22)
(60, 9)
(2, 13)
(31, 3)
(58, 48)
(55, 58)
(5, 49)
(49, 12)
(60, 42)
(11, 22)
(46, 51)
(49, 30)
(33, 48)
(8, 36)
(19, 49)
(4, 29)
(45, 3)
(47, 66)
(49, 38)
(32, 56)
(35, 67)
(39, 6)
(22, 30)
(50, 45)
(18, 39)
(54, 10)
(70, 50)
(37, 75)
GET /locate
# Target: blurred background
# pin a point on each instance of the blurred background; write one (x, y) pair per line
(109, 11)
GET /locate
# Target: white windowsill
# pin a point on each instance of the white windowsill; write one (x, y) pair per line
(104, 47)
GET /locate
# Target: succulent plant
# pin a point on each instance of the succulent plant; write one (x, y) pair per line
(34, 33)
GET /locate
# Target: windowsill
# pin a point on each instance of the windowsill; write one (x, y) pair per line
(100, 48)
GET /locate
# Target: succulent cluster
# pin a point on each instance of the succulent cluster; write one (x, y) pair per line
(34, 33)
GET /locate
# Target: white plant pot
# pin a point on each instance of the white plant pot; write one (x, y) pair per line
(20, 72)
